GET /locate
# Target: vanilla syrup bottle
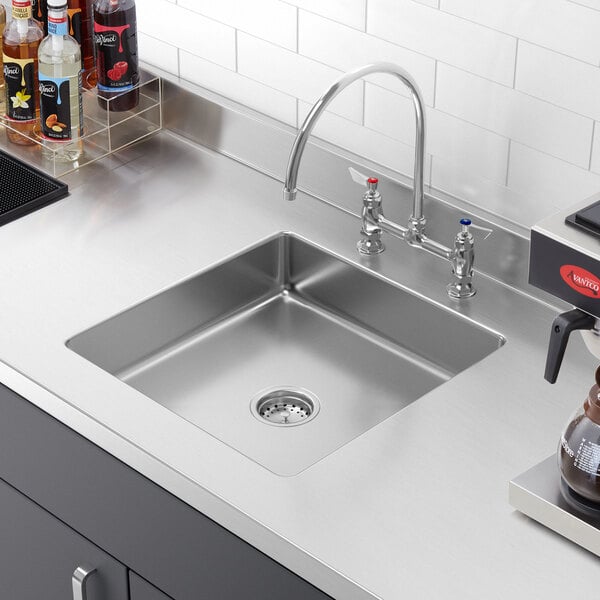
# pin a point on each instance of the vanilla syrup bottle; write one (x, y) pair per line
(20, 43)
(115, 42)
(61, 108)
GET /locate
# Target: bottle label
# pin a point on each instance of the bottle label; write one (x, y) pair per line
(21, 9)
(116, 57)
(55, 106)
(20, 88)
(58, 26)
(588, 457)
(75, 24)
(40, 12)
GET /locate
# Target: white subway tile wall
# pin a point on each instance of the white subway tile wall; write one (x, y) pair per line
(512, 87)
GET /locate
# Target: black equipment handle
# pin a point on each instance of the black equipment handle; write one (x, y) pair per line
(562, 327)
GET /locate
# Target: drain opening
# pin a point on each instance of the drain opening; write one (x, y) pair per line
(285, 406)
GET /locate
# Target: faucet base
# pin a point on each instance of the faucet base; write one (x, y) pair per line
(460, 289)
(370, 245)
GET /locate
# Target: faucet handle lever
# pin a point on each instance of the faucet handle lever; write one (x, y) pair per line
(357, 176)
(369, 182)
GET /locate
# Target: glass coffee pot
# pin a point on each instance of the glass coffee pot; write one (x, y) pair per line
(579, 454)
(579, 445)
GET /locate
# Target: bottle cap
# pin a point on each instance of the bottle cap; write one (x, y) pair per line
(57, 3)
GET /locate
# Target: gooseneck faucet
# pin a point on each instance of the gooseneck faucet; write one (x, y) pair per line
(461, 255)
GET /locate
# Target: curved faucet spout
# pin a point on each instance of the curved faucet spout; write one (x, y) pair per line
(417, 221)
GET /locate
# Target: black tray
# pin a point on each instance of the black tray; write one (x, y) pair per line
(24, 189)
(586, 219)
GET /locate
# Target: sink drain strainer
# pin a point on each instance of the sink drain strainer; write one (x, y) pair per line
(285, 406)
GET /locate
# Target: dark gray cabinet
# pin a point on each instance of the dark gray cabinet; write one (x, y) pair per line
(140, 589)
(177, 549)
(39, 554)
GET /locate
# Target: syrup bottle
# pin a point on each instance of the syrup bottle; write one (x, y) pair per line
(39, 11)
(20, 44)
(80, 27)
(61, 108)
(115, 41)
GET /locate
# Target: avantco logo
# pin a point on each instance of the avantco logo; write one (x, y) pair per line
(581, 281)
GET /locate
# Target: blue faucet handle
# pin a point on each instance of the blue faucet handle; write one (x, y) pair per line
(466, 223)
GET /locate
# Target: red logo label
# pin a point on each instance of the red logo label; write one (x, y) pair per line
(581, 281)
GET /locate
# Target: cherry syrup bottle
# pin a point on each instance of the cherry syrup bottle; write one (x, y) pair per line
(115, 45)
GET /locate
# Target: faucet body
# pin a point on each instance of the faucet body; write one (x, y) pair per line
(373, 219)
(461, 255)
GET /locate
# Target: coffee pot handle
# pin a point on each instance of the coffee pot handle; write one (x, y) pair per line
(562, 327)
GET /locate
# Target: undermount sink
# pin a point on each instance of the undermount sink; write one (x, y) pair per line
(285, 352)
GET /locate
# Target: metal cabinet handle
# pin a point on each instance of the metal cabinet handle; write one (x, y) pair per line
(79, 580)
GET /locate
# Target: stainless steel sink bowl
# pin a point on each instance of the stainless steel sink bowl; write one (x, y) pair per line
(285, 352)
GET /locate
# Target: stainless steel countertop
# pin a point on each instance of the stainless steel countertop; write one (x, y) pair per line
(414, 508)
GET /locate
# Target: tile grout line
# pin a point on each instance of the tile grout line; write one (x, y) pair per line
(516, 63)
(583, 5)
(508, 162)
(236, 49)
(435, 77)
(592, 147)
(431, 157)
(364, 106)
(297, 30)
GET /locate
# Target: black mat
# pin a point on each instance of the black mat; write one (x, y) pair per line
(24, 189)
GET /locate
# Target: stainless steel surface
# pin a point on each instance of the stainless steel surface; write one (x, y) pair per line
(424, 490)
(536, 493)
(79, 581)
(461, 256)
(285, 312)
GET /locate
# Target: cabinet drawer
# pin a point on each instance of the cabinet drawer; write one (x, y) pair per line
(165, 541)
(140, 589)
(39, 554)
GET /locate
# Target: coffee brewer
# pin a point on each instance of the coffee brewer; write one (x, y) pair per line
(565, 261)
